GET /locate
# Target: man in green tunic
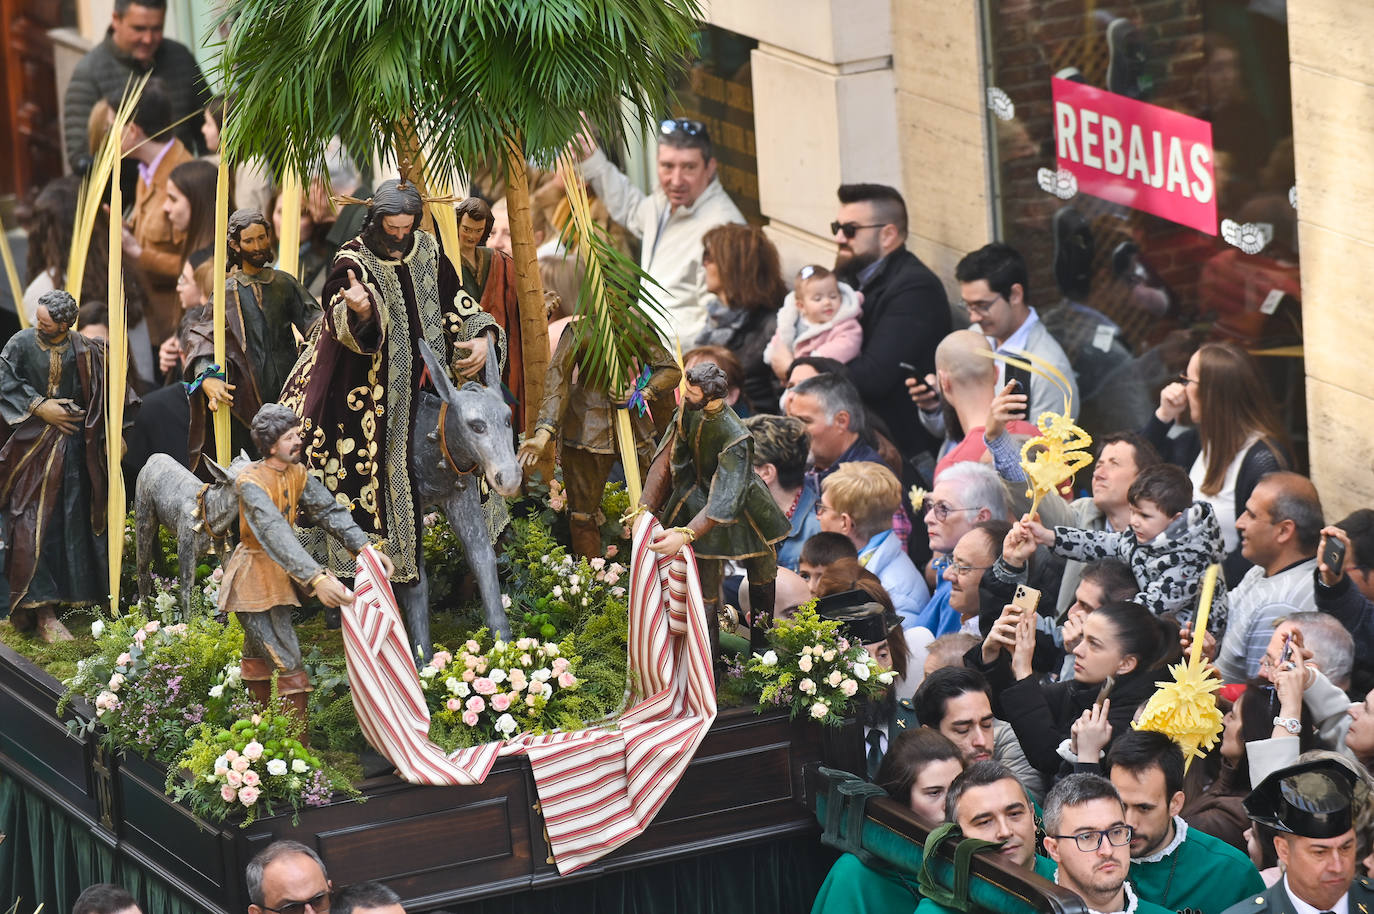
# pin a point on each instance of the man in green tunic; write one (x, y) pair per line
(703, 487)
(262, 305)
(53, 467)
(1176, 867)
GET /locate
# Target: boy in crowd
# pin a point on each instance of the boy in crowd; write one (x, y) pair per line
(1171, 543)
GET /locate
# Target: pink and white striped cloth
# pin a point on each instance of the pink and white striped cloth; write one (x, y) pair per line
(598, 787)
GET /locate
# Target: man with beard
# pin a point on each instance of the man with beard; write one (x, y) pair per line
(987, 802)
(905, 314)
(1312, 806)
(703, 487)
(354, 385)
(53, 470)
(488, 282)
(1087, 835)
(262, 305)
(1177, 867)
(269, 569)
(955, 701)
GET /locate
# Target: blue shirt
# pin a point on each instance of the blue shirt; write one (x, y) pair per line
(805, 524)
(937, 615)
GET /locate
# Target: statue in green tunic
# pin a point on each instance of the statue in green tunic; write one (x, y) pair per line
(703, 487)
(53, 467)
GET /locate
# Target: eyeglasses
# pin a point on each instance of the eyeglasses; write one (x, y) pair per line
(942, 510)
(981, 307)
(961, 569)
(822, 507)
(672, 125)
(1090, 841)
(850, 229)
(319, 904)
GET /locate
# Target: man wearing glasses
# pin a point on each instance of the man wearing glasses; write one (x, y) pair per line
(287, 877)
(905, 314)
(1087, 835)
(671, 221)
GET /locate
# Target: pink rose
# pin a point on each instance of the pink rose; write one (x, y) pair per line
(611, 578)
(152, 626)
(239, 764)
(250, 778)
(253, 751)
(140, 636)
(484, 686)
(470, 718)
(442, 659)
(612, 551)
(472, 647)
(560, 665)
(453, 704)
(476, 704)
(124, 659)
(230, 755)
(228, 794)
(469, 675)
(566, 680)
(500, 702)
(248, 796)
(234, 779)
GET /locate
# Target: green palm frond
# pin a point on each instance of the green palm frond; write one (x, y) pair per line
(465, 75)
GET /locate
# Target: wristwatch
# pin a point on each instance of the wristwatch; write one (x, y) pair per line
(1291, 724)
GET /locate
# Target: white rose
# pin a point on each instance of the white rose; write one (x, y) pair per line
(770, 658)
(861, 672)
(806, 687)
(164, 602)
(505, 601)
(116, 681)
(217, 691)
(541, 675)
(506, 724)
(834, 678)
(829, 656)
(276, 767)
(886, 677)
(819, 710)
(849, 687)
(299, 766)
(805, 663)
(429, 672)
(463, 690)
(97, 628)
(497, 675)
(452, 683)
(557, 591)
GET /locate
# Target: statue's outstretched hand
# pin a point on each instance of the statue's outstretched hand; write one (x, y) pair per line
(533, 448)
(331, 592)
(355, 296)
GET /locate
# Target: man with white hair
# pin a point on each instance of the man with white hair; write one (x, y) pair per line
(966, 494)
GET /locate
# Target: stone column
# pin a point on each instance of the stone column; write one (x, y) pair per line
(1333, 120)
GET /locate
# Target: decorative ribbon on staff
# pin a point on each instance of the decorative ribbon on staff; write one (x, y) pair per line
(637, 400)
(211, 371)
(1185, 709)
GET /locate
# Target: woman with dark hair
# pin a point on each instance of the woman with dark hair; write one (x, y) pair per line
(52, 228)
(781, 449)
(1122, 642)
(1235, 439)
(190, 205)
(743, 272)
(1218, 810)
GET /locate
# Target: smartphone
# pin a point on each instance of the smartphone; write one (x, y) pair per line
(1022, 379)
(1105, 692)
(1287, 654)
(1333, 556)
(910, 370)
(1025, 598)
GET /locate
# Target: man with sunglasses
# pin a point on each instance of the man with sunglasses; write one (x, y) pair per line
(671, 221)
(905, 314)
(288, 877)
(1087, 835)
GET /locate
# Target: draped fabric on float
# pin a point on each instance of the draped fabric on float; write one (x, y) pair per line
(598, 787)
(48, 858)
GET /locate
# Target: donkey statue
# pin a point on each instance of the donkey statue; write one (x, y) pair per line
(202, 514)
(460, 437)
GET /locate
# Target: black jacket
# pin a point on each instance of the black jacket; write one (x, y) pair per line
(1262, 458)
(1354, 610)
(1042, 714)
(906, 314)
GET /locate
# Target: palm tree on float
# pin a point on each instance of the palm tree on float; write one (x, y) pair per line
(450, 83)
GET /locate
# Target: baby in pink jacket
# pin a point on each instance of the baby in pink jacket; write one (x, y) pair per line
(819, 317)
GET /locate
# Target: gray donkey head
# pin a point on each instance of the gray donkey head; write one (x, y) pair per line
(221, 501)
(477, 425)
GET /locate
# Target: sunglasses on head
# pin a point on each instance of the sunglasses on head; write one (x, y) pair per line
(850, 229)
(671, 125)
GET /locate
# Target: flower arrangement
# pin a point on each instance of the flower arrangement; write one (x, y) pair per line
(550, 588)
(489, 692)
(253, 766)
(811, 669)
(152, 683)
